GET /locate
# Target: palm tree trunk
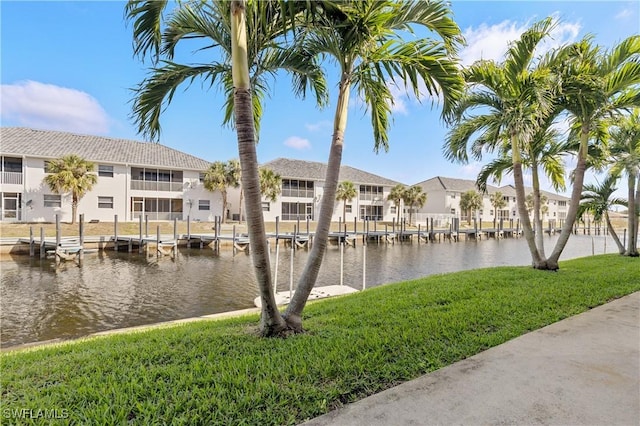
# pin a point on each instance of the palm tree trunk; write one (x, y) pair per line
(632, 220)
(536, 210)
(240, 207)
(613, 234)
(293, 314)
(537, 261)
(398, 213)
(576, 194)
(74, 208)
(272, 323)
(224, 205)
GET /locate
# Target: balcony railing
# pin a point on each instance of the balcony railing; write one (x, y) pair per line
(157, 215)
(145, 185)
(11, 178)
(297, 193)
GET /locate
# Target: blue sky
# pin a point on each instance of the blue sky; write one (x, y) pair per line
(70, 66)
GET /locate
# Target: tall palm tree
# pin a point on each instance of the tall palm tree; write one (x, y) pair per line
(346, 192)
(364, 39)
(597, 199)
(250, 46)
(414, 198)
(503, 105)
(73, 174)
(624, 152)
(497, 202)
(219, 177)
(595, 85)
(270, 184)
(396, 196)
(470, 202)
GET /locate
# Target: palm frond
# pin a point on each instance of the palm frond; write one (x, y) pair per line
(147, 26)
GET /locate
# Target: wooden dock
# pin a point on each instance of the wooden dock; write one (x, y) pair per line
(284, 297)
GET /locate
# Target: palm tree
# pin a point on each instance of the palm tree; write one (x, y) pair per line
(470, 201)
(73, 174)
(624, 152)
(270, 184)
(597, 199)
(364, 39)
(594, 86)
(219, 177)
(507, 100)
(497, 202)
(396, 195)
(251, 46)
(414, 197)
(346, 192)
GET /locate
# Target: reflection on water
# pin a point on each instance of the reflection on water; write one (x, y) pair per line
(112, 290)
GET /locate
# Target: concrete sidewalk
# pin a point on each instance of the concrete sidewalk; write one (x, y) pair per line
(584, 370)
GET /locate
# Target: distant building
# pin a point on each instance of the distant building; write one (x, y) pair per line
(443, 200)
(134, 179)
(149, 179)
(303, 188)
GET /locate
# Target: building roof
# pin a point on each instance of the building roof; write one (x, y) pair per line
(311, 170)
(440, 183)
(21, 141)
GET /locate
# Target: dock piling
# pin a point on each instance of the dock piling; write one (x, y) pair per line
(81, 232)
(32, 247)
(42, 249)
(115, 232)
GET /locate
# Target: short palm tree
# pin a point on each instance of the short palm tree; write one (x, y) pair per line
(414, 198)
(395, 196)
(346, 192)
(595, 85)
(597, 199)
(270, 184)
(500, 113)
(498, 203)
(470, 202)
(73, 174)
(219, 177)
(364, 38)
(624, 154)
(250, 46)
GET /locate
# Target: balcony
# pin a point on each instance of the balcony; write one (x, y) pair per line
(11, 178)
(145, 185)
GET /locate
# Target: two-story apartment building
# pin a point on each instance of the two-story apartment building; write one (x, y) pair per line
(444, 194)
(134, 179)
(303, 188)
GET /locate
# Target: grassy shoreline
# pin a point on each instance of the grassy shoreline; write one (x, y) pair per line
(220, 372)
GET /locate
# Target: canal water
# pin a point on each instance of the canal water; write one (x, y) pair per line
(41, 301)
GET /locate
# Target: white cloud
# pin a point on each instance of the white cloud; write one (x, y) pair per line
(314, 127)
(624, 14)
(296, 142)
(491, 42)
(470, 171)
(398, 105)
(40, 105)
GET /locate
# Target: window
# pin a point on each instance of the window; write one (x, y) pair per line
(453, 195)
(105, 171)
(204, 205)
(481, 212)
(47, 164)
(453, 211)
(505, 198)
(491, 212)
(266, 206)
(371, 213)
(368, 192)
(297, 188)
(201, 177)
(294, 211)
(12, 165)
(52, 200)
(348, 208)
(105, 202)
(562, 204)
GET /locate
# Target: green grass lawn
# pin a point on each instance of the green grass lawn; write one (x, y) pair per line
(220, 372)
